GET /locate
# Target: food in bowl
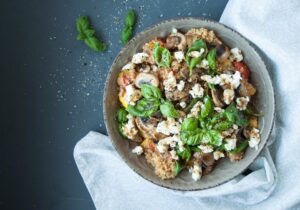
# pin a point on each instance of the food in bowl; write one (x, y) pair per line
(187, 102)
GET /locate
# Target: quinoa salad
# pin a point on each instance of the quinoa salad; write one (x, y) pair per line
(187, 102)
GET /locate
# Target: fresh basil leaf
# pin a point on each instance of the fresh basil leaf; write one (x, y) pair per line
(211, 58)
(211, 86)
(150, 92)
(87, 34)
(189, 124)
(178, 168)
(162, 56)
(144, 108)
(195, 149)
(168, 110)
(126, 34)
(197, 45)
(121, 129)
(235, 116)
(240, 147)
(208, 107)
(130, 18)
(216, 138)
(185, 154)
(192, 137)
(194, 62)
(222, 126)
(122, 115)
(217, 118)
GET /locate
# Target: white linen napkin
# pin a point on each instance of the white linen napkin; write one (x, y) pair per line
(273, 27)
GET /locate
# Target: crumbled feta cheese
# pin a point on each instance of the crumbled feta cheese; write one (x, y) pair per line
(180, 145)
(154, 68)
(196, 54)
(242, 102)
(182, 104)
(218, 155)
(138, 150)
(206, 148)
(196, 171)
(236, 80)
(129, 128)
(174, 30)
(235, 127)
(170, 83)
(230, 132)
(204, 64)
(254, 138)
(212, 80)
(131, 95)
(174, 155)
(230, 143)
(163, 144)
(197, 91)
(180, 85)
(129, 66)
(218, 109)
(169, 126)
(236, 54)
(228, 95)
(196, 109)
(139, 58)
(179, 56)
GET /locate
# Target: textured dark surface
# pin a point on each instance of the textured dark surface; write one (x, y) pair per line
(52, 86)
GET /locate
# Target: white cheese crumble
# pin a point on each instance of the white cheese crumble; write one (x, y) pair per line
(218, 155)
(242, 102)
(236, 54)
(218, 109)
(204, 64)
(174, 30)
(163, 144)
(230, 143)
(129, 128)
(228, 95)
(196, 109)
(139, 58)
(179, 56)
(227, 81)
(206, 148)
(180, 145)
(197, 91)
(182, 104)
(196, 54)
(138, 150)
(129, 66)
(131, 95)
(254, 138)
(170, 83)
(180, 85)
(196, 171)
(154, 68)
(167, 127)
(174, 155)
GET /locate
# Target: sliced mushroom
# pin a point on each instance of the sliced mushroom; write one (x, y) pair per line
(246, 132)
(235, 156)
(146, 78)
(216, 96)
(208, 163)
(147, 128)
(144, 68)
(176, 41)
(223, 53)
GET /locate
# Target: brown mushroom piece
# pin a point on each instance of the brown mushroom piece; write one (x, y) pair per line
(146, 78)
(216, 96)
(147, 128)
(235, 156)
(222, 53)
(176, 41)
(126, 77)
(246, 89)
(208, 163)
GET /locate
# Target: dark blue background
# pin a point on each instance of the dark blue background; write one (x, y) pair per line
(51, 90)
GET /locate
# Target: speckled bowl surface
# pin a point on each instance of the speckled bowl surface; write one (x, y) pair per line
(225, 170)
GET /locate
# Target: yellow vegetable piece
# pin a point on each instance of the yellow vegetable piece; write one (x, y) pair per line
(123, 102)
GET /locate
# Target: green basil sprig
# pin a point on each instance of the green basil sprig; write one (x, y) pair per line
(87, 34)
(211, 58)
(150, 92)
(144, 108)
(196, 46)
(185, 154)
(129, 23)
(168, 110)
(162, 56)
(122, 119)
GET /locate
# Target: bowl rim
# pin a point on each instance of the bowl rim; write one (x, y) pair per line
(141, 34)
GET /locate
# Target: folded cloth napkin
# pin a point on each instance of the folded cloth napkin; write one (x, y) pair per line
(272, 26)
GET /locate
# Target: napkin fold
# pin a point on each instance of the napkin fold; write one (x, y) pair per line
(273, 27)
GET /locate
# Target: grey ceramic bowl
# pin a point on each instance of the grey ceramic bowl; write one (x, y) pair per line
(225, 170)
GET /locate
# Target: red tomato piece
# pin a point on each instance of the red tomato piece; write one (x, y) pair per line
(242, 68)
